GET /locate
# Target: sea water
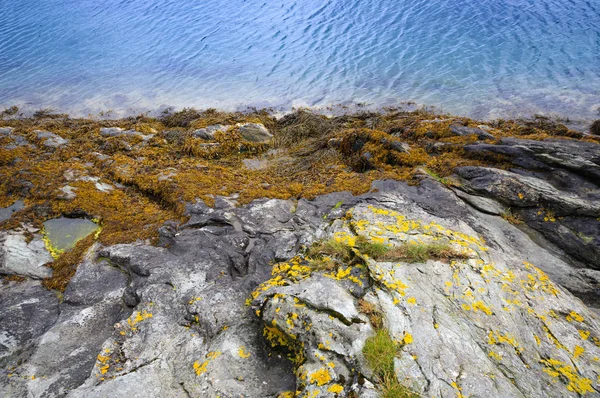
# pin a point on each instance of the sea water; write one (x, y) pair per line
(481, 58)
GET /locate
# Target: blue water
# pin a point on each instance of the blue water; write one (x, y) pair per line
(482, 58)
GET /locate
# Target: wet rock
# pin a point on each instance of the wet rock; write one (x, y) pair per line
(208, 133)
(465, 131)
(255, 132)
(595, 128)
(6, 213)
(18, 256)
(50, 140)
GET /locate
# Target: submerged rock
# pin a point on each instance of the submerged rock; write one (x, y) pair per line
(6, 213)
(63, 233)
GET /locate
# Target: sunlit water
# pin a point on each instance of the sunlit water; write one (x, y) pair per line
(483, 58)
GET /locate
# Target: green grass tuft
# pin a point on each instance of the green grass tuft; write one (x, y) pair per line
(420, 252)
(380, 351)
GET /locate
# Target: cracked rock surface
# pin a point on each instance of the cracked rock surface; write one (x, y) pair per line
(226, 306)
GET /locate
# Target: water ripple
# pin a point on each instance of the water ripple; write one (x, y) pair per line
(486, 58)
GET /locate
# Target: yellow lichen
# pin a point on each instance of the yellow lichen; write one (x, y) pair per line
(320, 377)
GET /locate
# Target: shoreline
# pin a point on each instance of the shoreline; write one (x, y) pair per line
(246, 254)
(330, 110)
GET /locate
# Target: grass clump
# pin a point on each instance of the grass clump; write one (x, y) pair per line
(420, 252)
(371, 249)
(329, 254)
(379, 352)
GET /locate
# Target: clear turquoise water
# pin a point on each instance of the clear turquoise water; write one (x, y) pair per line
(483, 58)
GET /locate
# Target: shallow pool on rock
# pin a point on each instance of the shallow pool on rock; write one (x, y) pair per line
(63, 233)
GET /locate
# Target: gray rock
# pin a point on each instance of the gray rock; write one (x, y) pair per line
(464, 131)
(28, 311)
(6, 131)
(20, 257)
(255, 132)
(595, 128)
(481, 203)
(50, 140)
(559, 200)
(6, 212)
(119, 132)
(68, 192)
(469, 323)
(208, 133)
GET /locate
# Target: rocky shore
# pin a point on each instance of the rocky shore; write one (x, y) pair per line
(394, 254)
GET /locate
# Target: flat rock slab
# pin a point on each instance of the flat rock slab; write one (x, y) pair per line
(20, 257)
(6, 212)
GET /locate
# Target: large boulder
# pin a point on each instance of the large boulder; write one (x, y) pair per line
(180, 319)
(484, 323)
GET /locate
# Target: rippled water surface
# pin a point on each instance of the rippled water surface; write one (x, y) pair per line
(484, 58)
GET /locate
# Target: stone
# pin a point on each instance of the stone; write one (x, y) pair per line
(208, 133)
(396, 145)
(69, 192)
(255, 164)
(459, 130)
(6, 131)
(254, 132)
(50, 140)
(28, 310)
(119, 132)
(20, 257)
(6, 212)
(206, 313)
(595, 128)
(103, 187)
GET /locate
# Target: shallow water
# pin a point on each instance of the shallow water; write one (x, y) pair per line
(484, 58)
(64, 233)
